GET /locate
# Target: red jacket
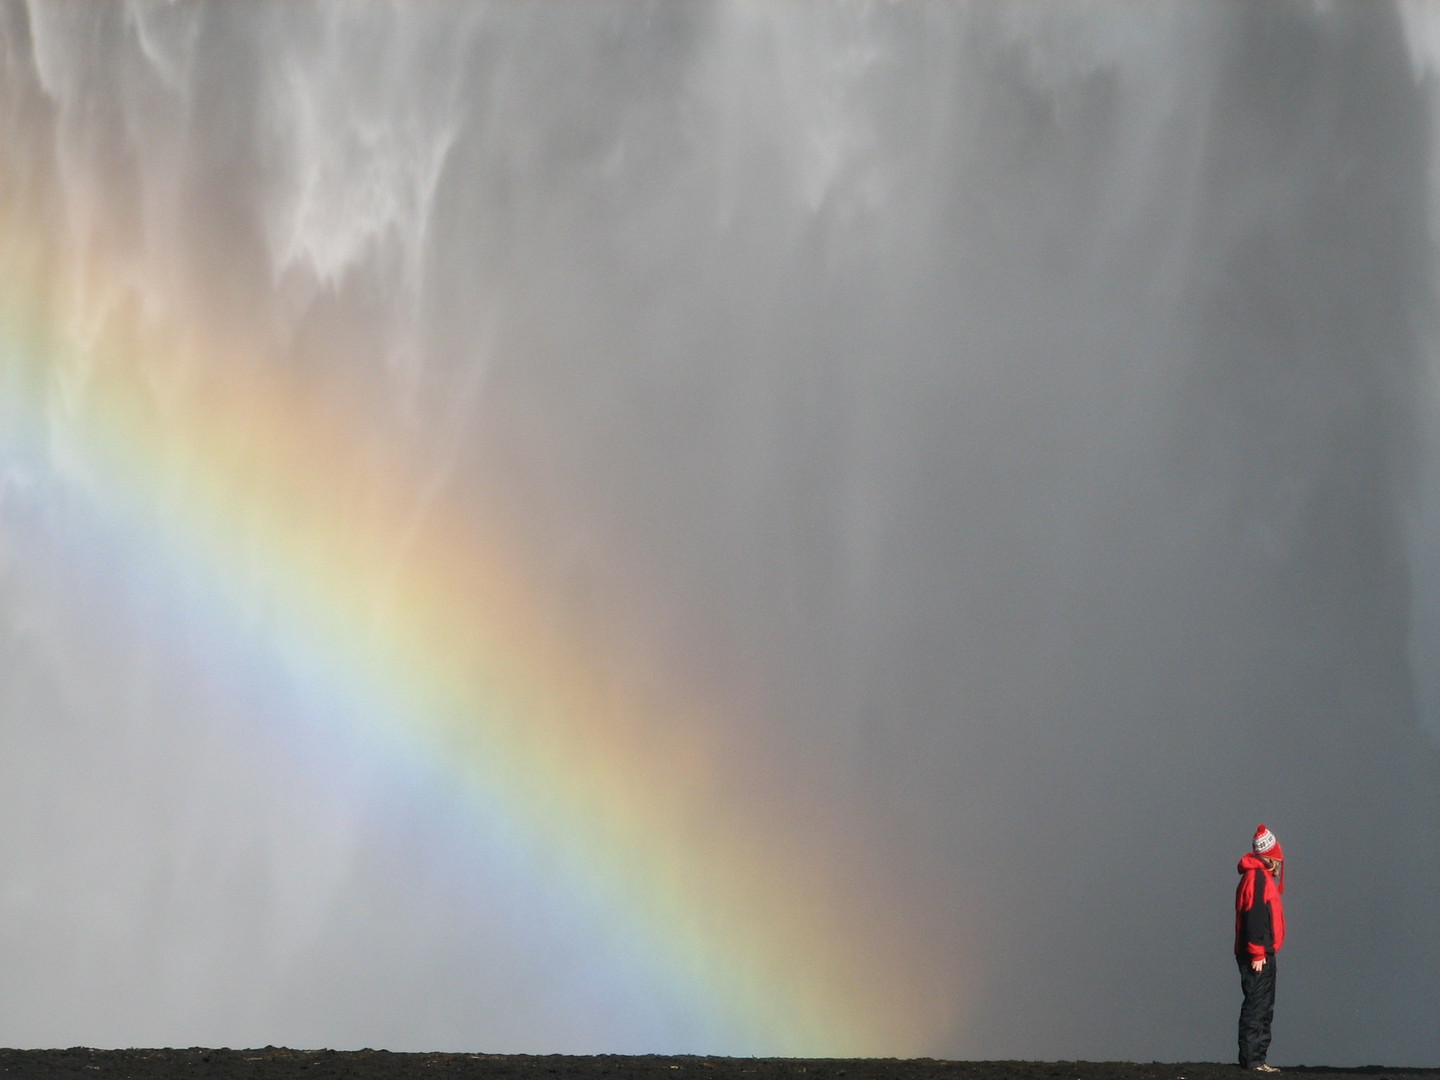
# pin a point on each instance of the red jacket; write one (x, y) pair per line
(1259, 910)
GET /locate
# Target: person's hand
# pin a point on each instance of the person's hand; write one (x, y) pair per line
(1258, 964)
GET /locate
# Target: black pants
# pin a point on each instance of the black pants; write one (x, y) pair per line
(1257, 1010)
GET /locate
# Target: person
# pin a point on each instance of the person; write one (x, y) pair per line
(1259, 934)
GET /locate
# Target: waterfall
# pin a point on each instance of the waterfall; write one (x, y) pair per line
(796, 528)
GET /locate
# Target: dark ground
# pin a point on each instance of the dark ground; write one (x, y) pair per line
(273, 1063)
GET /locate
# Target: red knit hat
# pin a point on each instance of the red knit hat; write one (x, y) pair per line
(1266, 844)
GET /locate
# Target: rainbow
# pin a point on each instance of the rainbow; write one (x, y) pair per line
(412, 623)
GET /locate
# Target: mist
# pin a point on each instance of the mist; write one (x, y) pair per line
(1007, 434)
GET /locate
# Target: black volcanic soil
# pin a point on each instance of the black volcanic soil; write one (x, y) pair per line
(273, 1063)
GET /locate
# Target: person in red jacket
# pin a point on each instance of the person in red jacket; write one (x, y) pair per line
(1259, 933)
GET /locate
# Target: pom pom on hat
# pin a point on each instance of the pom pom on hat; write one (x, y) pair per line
(1264, 841)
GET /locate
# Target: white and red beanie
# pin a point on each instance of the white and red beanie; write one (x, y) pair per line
(1266, 844)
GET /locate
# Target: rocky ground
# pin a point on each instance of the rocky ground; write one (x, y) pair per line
(273, 1063)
